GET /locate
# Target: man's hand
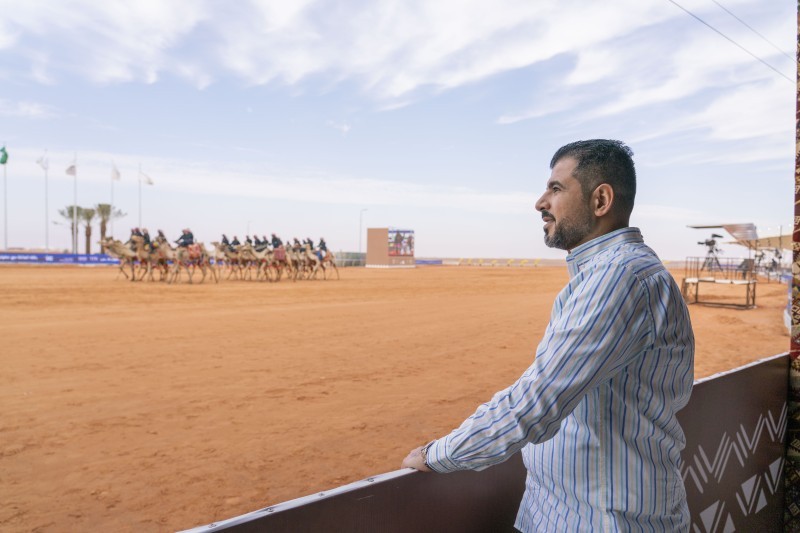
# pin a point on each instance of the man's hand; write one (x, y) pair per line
(414, 460)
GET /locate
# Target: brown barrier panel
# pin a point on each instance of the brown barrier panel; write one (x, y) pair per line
(735, 426)
(411, 501)
(732, 467)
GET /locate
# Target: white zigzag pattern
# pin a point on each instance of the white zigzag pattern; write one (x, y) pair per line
(700, 468)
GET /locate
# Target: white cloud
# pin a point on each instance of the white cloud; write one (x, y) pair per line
(342, 127)
(663, 60)
(393, 48)
(753, 110)
(204, 178)
(25, 109)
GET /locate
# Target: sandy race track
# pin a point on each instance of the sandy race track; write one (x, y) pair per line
(149, 407)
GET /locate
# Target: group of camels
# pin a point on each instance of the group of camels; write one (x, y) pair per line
(241, 262)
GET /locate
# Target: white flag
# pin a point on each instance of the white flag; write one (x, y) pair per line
(145, 178)
(43, 162)
(115, 172)
(72, 170)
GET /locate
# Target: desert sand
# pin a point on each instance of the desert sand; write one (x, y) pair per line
(146, 407)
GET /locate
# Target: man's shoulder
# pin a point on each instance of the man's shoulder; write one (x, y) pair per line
(629, 259)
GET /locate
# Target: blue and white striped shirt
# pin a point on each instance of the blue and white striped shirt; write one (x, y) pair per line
(594, 415)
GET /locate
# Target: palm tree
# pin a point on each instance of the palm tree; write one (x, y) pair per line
(87, 214)
(106, 213)
(68, 213)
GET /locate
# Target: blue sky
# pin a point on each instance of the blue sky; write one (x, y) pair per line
(440, 117)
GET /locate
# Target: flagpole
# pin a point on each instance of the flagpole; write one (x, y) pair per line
(5, 210)
(46, 215)
(111, 215)
(75, 207)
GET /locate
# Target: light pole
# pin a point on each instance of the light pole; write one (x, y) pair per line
(360, 231)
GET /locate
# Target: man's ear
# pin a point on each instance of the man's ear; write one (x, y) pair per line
(602, 199)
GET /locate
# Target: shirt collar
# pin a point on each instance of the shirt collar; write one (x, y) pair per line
(584, 253)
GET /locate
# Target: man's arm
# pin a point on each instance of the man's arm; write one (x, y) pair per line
(603, 323)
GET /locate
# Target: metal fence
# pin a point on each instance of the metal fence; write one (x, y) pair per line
(722, 268)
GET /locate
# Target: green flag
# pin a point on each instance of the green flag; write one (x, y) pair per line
(3, 155)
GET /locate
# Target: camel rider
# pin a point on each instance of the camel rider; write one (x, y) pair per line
(320, 255)
(256, 241)
(323, 246)
(148, 245)
(161, 238)
(185, 239)
(276, 242)
(235, 242)
(265, 241)
(226, 243)
(134, 233)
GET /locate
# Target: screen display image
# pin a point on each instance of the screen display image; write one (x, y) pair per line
(401, 242)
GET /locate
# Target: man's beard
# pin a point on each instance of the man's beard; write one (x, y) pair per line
(568, 232)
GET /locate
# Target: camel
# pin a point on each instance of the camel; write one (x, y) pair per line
(218, 256)
(281, 262)
(189, 258)
(143, 256)
(126, 256)
(248, 257)
(161, 256)
(296, 262)
(329, 261)
(312, 262)
(262, 259)
(272, 263)
(231, 258)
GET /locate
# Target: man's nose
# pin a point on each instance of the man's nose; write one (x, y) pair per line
(541, 203)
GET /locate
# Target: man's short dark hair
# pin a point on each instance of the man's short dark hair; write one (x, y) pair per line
(603, 161)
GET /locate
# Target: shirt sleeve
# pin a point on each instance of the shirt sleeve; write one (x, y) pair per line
(603, 324)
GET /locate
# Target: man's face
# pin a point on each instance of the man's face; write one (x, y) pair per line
(566, 213)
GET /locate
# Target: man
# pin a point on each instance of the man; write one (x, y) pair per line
(134, 233)
(323, 246)
(185, 239)
(235, 242)
(248, 240)
(146, 238)
(276, 242)
(594, 415)
(260, 245)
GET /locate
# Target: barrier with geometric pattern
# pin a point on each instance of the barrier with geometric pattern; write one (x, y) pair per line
(735, 426)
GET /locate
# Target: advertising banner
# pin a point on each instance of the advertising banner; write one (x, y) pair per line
(56, 259)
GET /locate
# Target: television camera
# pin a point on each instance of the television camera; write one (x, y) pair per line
(712, 251)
